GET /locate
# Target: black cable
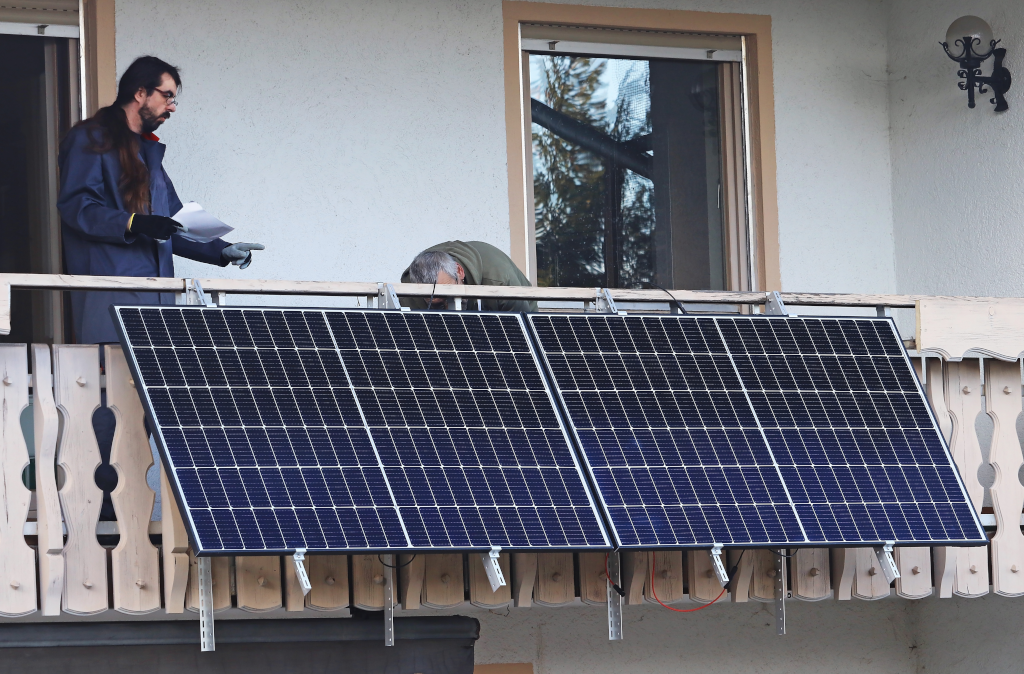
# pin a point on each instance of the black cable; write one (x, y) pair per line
(735, 567)
(675, 302)
(430, 302)
(397, 566)
(779, 554)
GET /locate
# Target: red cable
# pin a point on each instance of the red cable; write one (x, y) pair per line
(678, 610)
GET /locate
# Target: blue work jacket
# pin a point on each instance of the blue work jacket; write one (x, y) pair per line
(94, 225)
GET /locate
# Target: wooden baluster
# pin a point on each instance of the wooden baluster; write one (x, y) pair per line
(443, 584)
(258, 583)
(593, 579)
(367, 582)
(411, 580)
(667, 578)
(328, 578)
(480, 593)
(1003, 398)
(135, 560)
(524, 577)
(17, 559)
(294, 600)
(915, 565)
(556, 581)
(220, 569)
(77, 395)
(743, 560)
(762, 581)
(634, 572)
(175, 548)
(49, 523)
(963, 396)
(844, 568)
(868, 580)
(704, 585)
(943, 558)
(809, 572)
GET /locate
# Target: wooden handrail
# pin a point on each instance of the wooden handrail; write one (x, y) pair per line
(362, 289)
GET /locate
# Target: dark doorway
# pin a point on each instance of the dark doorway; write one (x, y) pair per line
(38, 104)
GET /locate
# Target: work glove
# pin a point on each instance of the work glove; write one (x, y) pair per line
(155, 226)
(240, 253)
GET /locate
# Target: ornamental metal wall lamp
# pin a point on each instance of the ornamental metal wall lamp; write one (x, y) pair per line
(972, 43)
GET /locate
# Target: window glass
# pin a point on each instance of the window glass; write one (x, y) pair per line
(627, 172)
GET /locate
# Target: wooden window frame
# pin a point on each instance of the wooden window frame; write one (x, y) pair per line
(760, 106)
(99, 54)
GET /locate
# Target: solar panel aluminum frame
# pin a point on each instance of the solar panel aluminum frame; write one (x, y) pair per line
(176, 487)
(888, 320)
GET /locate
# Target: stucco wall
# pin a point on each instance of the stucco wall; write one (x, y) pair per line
(957, 173)
(349, 135)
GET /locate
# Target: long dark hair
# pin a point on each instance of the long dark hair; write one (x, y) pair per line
(108, 129)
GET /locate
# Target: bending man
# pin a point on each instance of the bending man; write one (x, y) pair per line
(115, 200)
(466, 263)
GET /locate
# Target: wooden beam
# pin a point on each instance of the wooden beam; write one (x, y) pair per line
(443, 584)
(49, 525)
(328, 576)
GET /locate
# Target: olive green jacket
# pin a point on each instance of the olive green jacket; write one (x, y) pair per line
(484, 265)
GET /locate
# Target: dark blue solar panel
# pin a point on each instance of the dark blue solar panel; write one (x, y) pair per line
(755, 431)
(358, 430)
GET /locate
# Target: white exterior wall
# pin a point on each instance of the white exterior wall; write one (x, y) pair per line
(347, 136)
(957, 172)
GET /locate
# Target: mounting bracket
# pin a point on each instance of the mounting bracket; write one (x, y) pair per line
(719, 567)
(389, 600)
(492, 568)
(780, 592)
(387, 298)
(206, 638)
(883, 311)
(887, 562)
(300, 570)
(614, 598)
(194, 294)
(605, 304)
(774, 306)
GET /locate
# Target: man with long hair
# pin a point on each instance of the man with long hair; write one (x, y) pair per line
(116, 200)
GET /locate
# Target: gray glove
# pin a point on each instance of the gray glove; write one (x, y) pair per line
(240, 253)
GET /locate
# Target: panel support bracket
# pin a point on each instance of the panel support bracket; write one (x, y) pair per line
(780, 592)
(387, 298)
(773, 305)
(614, 597)
(206, 638)
(492, 568)
(389, 599)
(883, 311)
(605, 304)
(300, 570)
(887, 562)
(194, 294)
(719, 567)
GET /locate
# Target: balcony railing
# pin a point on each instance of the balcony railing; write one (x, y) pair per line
(59, 560)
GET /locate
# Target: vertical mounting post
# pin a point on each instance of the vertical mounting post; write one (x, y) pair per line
(387, 298)
(206, 638)
(780, 592)
(389, 600)
(458, 304)
(300, 570)
(614, 598)
(604, 303)
(719, 567)
(774, 305)
(492, 567)
(887, 562)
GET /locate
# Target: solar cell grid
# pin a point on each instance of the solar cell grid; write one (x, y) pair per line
(358, 430)
(754, 430)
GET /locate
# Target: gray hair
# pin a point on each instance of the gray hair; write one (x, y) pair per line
(428, 264)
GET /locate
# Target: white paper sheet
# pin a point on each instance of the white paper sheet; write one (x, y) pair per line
(202, 227)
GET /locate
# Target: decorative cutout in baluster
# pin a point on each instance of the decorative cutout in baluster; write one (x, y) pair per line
(77, 394)
(1003, 400)
(135, 560)
(963, 397)
(49, 523)
(17, 559)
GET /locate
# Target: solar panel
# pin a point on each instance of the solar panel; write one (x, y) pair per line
(356, 430)
(755, 430)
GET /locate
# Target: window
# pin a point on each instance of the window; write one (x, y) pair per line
(629, 178)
